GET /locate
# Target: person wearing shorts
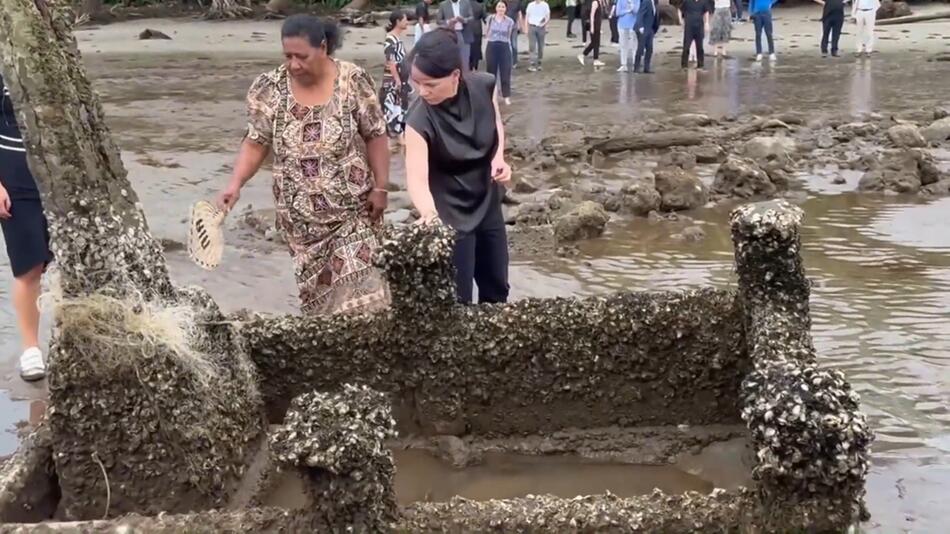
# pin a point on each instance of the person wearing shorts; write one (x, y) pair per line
(26, 236)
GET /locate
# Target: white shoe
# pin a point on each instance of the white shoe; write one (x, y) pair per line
(773, 57)
(758, 57)
(32, 367)
(599, 63)
(580, 58)
(507, 101)
(622, 68)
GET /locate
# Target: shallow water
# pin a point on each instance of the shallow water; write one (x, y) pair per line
(880, 265)
(422, 477)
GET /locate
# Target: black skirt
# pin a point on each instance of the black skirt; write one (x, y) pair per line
(26, 236)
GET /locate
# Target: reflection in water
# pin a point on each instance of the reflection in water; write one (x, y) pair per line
(861, 97)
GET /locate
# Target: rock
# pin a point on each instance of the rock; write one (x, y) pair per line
(679, 190)
(529, 213)
(669, 14)
(170, 245)
(901, 172)
(791, 117)
(938, 131)
(585, 221)
(279, 7)
(709, 154)
(692, 233)
(937, 189)
(678, 158)
(826, 141)
(906, 135)
(524, 185)
(639, 198)
(152, 34)
(890, 10)
(775, 124)
(839, 180)
(857, 129)
(692, 119)
(761, 147)
(743, 178)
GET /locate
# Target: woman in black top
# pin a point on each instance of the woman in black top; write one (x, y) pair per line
(26, 236)
(455, 163)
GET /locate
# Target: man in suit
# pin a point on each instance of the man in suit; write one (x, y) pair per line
(457, 15)
(648, 23)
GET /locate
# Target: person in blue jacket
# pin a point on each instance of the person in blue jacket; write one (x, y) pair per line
(648, 23)
(761, 13)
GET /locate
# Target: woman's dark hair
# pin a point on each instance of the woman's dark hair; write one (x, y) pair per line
(316, 31)
(395, 17)
(437, 53)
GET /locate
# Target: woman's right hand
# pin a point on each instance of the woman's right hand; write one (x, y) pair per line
(5, 203)
(228, 197)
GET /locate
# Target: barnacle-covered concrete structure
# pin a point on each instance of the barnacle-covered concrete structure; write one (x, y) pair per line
(708, 358)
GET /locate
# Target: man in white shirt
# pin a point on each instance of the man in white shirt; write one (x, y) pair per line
(538, 15)
(864, 13)
(457, 15)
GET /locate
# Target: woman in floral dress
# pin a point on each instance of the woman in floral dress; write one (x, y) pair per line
(394, 91)
(321, 119)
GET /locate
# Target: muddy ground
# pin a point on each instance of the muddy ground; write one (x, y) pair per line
(880, 262)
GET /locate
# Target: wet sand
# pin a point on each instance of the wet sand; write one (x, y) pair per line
(880, 264)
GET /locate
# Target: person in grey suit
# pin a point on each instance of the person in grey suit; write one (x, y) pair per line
(457, 15)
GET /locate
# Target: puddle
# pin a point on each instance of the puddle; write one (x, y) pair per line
(422, 477)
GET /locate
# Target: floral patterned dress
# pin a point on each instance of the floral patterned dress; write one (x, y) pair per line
(322, 180)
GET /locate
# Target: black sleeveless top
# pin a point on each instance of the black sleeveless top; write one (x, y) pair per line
(14, 173)
(462, 139)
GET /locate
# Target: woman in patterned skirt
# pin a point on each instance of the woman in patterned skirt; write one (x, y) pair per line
(721, 31)
(321, 119)
(394, 91)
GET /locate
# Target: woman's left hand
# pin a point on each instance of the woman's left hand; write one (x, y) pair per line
(376, 204)
(501, 171)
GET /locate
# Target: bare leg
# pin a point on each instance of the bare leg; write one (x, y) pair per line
(26, 291)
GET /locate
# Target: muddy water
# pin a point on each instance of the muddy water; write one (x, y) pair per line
(880, 265)
(422, 477)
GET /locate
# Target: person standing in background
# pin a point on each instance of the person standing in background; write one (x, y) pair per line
(694, 16)
(571, 10)
(647, 24)
(498, 50)
(394, 89)
(832, 20)
(614, 32)
(721, 28)
(516, 13)
(26, 235)
(626, 22)
(478, 19)
(864, 13)
(597, 11)
(737, 11)
(585, 8)
(456, 15)
(761, 13)
(422, 19)
(537, 17)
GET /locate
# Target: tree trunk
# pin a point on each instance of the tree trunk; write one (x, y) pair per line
(153, 403)
(228, 9)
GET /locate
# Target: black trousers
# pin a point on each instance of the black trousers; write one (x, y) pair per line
(481, 256)
(693, 33)
(644, 49)
(572, 15)
(498, 57)
(594, 44)
(614, 32)
(831, 25)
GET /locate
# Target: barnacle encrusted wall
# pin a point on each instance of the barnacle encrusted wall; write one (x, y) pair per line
(536, 365)
(811, 439)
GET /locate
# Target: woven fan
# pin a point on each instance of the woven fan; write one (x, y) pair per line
(205, 236)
